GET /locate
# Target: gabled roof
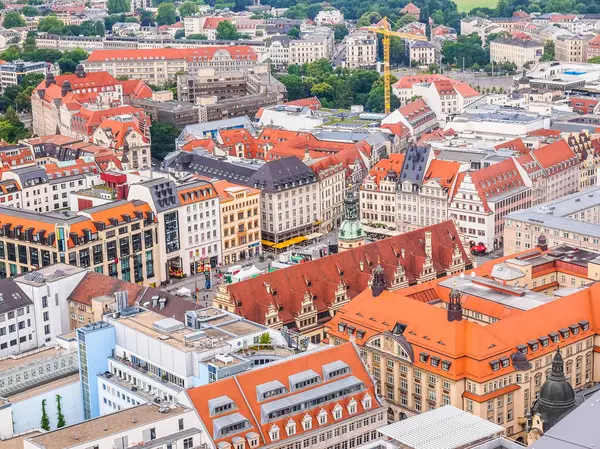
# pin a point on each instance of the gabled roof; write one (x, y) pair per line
(415, 110)
(381, 169)
(556, 157)
(95, 284)
(514, 145)
(119, 130)
(445, 172)
(252, 300)
(190, 54)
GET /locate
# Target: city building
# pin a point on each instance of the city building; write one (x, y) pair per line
(210, 110)
(411, 9)
(123, 135)
(416, 116)
(240, 221)
(207, 82)
(189, 231)
(11, 73)
(321, 398)
(309, 48)
(517, 51)
(56, 99)
(361, 50)
(482, 343)
(85, 239)
(351, 233)
(329, 16)
(305, 296)
(483, 198)
(593, 47)
(159, 66)
(570, 220)
(446, 98)
(32, 377)
(572, 48)
(147, 424)
(421, 52)
(176, 113)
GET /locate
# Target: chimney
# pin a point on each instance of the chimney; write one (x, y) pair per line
(428, 243)
(361, 265)
(268, 287)
(542, 243)
(66, 88)
(154, 301)
(50, 79)
(403, 252)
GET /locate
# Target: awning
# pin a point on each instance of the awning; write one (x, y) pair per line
(267, 243)
(183, 291)
(314, 235)
(290, 242)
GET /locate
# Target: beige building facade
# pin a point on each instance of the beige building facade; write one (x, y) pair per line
(361, 50)
(517, 51)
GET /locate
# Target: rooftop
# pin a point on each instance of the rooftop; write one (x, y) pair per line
(112, 424)
(446, 427)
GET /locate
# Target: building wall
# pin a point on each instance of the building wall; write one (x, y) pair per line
(518, 55)
(238, 245)
(27, 414)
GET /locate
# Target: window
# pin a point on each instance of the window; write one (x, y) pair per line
(188, 443)
(180, 423)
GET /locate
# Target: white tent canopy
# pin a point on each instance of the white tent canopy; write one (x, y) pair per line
(183, 291)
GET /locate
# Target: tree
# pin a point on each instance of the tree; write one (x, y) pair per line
(146, 18)
(294, 33)
(118, 6)
(265, 339)
(29, 11)
(163, 137)
(23, 100)
(549, 52)
(51, 25)
(60, 417)
(188, 8)
(166, 14)
(295, 86)
(368, 18)
(594, 60)
(340, 31)
(11, 53)
(226, 31)
(406, 19)
(179, 34)
(12, 19)
(200, 37)
(45, 422)
(313, 10)
(424, 14)
(322, 90)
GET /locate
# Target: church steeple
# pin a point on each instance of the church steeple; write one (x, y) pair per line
(378, 284)
(351, 233)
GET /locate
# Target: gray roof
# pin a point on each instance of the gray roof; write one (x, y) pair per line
(283, 173)
(29, 175)
(413, 168)
(302, 376)
(576, 430)
(227, 420)
(200, 129)
(523, 43)
(163, 192)
(12, 297)
(50, 218)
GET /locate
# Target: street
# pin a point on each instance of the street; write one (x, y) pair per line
(205, 297)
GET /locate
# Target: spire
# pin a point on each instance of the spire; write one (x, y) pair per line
(454, 306)
(558, 366)
(350, 206)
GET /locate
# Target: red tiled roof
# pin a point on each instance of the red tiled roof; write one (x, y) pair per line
(557, 156)
(206, 144)
(252, 300)
(465, 90)
(119, 130)
(544, 132)
(312, 102)
(515, 145)
(406, 82)
(95, 284)
(414, 110)
(444, 87)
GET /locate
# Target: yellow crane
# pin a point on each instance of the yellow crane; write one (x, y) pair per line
(383, 28)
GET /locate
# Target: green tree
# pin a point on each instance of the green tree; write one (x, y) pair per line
(118, 6)
(295, 86)
(424, 14)
(406, 19)
(265, 339)
(200, 37)
(226, 31)
(11, 53)
(549, 52)
(51, 25)
(163, 137)
(146, 17)
(60, 417)
(188, 8)
(166, 14)
(29, 11)
(179, 34)
(322, 90)
(368, 18)
(11, 93)
(12, 19)
(594, 60)
(340, 31)
(313, 10)
(294, 33)
(45, 422)
(23, 100)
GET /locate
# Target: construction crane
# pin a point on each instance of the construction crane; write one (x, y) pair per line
(383, 28)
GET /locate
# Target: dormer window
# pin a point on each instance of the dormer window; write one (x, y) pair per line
(435, 361)
(554, 337)
(366, 401)
(337, 412)
(533, 344)
(544, 341)
(564, 332)
(322, 417)
(446, 365)
(423, 357)
(307, 422)
(585, 325)
(360, 334)
(290, 428)
(274, 432)
(505, 362)
(522, 349)
(495, 364)
(352, 406)
(574, 329)
(341, 327)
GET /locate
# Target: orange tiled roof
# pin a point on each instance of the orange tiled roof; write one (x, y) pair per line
(206, 144)
(557, 156)
(120, 130)
(241, 389)
(119, 209)
(544, 132)
(380, 170)
(515, 145)
(197, 192)
(443, 171)
(222, 190)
